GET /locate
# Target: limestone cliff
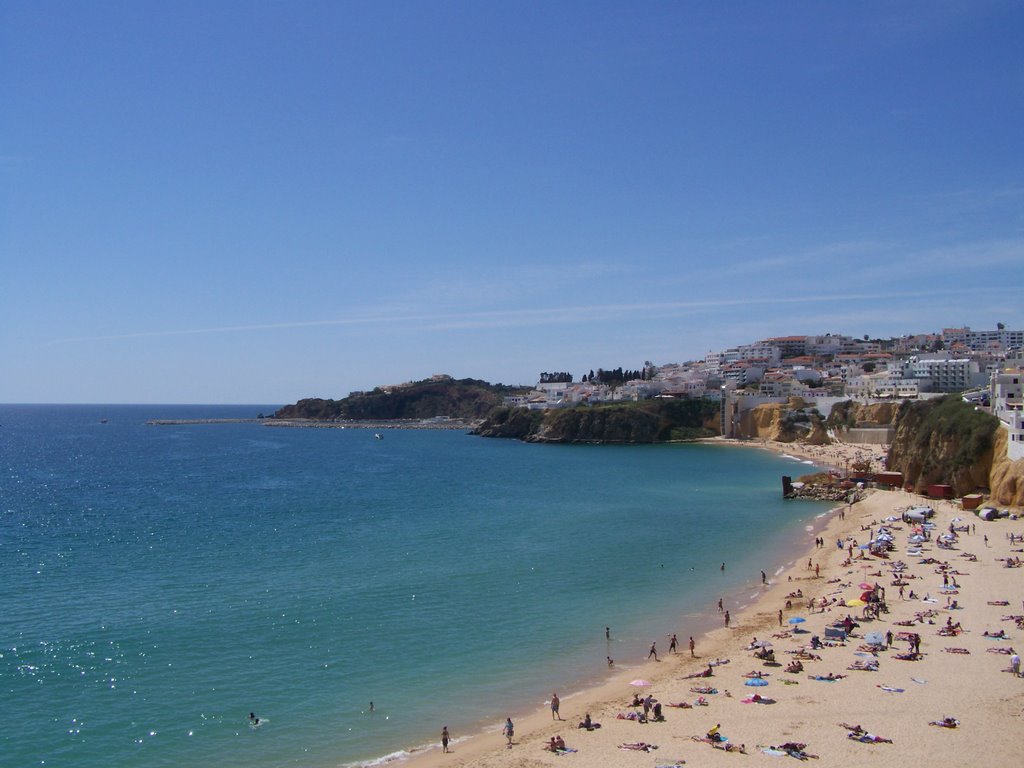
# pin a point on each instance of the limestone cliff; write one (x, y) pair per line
(943, 441)
(1006, 480)
(786, 422)
(649, 421)
(853, 414)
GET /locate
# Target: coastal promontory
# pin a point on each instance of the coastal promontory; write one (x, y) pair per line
(438, 396)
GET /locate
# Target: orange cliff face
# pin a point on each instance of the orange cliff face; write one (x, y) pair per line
(784, 422)
(1006, 479)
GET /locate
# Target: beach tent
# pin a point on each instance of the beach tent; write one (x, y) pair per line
(918, 514)
(988, 513)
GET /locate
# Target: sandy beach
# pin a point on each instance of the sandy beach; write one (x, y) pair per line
(960, 673)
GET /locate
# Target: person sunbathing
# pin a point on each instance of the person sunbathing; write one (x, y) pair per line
(867, 738)
(795, 666)
(726, 747)
(557, 745)
(946, 722)
(640, 746)
(795, 749)
(1001, 634)
(826, 678)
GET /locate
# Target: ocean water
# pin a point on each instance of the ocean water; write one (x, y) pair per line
(159, 583)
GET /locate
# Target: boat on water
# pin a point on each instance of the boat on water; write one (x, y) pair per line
(378, 435)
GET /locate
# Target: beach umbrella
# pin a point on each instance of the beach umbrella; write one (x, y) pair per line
(865, 585)
(640, 683)
(797, 620)
(756, 682)
(856, 603)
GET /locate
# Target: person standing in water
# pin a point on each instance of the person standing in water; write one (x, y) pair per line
(445, 738)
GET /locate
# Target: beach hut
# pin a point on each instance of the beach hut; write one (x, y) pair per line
(972, 500)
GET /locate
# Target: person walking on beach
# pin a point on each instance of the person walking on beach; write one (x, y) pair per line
(672, 644)
(764, 577)
(1015, 665)
(692, 646)
(509, 731)
(727, 618)
(780, 617)
(719, 605)
(554, 707)
(445, 738)
(654, 651)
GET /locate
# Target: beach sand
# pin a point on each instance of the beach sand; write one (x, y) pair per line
(973, 687)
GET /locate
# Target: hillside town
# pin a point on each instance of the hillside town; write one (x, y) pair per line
(984, 366)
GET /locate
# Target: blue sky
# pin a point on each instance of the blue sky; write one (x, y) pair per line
(255, 202)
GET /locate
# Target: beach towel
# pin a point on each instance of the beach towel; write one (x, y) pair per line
(890, 689)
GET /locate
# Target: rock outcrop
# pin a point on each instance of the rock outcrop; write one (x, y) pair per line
(788, 422)
(1006, 480)
(852, 414)
(943, 441)
(649, 421)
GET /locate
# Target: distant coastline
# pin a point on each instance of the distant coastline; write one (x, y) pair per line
(434, 423)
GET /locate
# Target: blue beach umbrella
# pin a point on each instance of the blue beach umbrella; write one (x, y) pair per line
(756, 682)
(797, 620)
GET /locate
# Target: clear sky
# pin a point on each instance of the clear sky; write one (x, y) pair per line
(254, 202)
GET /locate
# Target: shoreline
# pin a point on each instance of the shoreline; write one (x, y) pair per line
(534, 722)
(794, 720)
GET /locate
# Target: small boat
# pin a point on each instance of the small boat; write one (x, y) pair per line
(378, 435)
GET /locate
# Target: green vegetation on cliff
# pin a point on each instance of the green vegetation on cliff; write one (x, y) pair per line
(943, 441)
(648, 421)
(457, 399)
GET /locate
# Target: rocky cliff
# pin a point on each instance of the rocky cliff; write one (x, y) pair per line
(649, 421)
(1006, 479)
(786, 422)
(852, 414)
(943, 441)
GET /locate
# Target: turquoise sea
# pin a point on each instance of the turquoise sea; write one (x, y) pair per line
(159, 583)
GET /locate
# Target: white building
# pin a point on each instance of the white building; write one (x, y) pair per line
(946, 374)
(1008, 406)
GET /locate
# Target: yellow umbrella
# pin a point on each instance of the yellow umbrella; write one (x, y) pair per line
(855, 603)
